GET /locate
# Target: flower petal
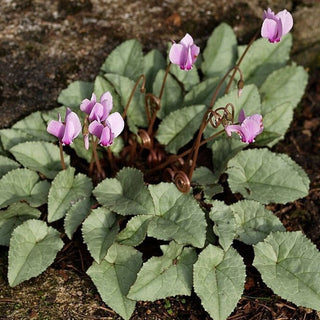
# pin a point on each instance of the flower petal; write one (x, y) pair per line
(242, 116)
(177, 54)
(286, 21)
(106, 138)
(96, 128)
(56, 128)
(233, 128)
(87, 105)
(269, 30)
(187, 40)
(116, 123)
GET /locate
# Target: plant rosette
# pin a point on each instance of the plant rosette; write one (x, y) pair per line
(137, 138)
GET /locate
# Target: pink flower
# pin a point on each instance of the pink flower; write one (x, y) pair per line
(95, 110)
(248, 128)
(184, 53)
(276, 26)
(65, 131)
(107, 130)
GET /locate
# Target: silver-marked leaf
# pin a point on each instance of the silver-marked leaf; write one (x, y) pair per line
(33, 248)
(203, 92)
(179, 127)
(188, 78)
(75, 215)
(114, 276)
(12, 217)
(219, 278)
(172, 96)
(276, 124)
(66, 189)
(7, 164)
(289, 265)
(136, 111)
(254, 222)
(178, 216)
(40, 156)
(223, 149)
(220, 53)
(23, 184)
(135, 231)
(267, 177)
(126, 194)
(30, 128)
(165, 276)
(204, 178)
(263, 58)
(75, 93)
(224, 223)
(99, 231)
(153, 61)
(285, 85)
(125, 60)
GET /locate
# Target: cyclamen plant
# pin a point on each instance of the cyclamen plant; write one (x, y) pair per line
(145, 175)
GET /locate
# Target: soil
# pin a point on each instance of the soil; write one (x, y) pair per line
(45, 45)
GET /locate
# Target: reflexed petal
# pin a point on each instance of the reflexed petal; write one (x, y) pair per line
(68, 133)
(86, 141)
(116, 123)
(107, 101)
(74, 119)
(96, 128)
(286, 21)
(268, 14)
(97, 112)
(177, 54)
(187, 40)
(233, 128)
(195, 50)
(107, 136)
(242, 116)
(269, 29)
(56, 128)
(87, 105)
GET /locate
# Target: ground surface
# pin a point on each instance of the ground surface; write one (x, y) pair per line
(44, 45)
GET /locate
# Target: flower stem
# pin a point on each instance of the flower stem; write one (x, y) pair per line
(63, 165)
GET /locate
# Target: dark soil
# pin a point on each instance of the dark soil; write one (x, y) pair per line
(45, 45)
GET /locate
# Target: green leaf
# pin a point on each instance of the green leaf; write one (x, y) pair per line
(33, 247)
(40, 156)
(172, 96)
(7, 164)
(31, 128)
(219, 278)
(12, 217)
(165, 276)
(267, 177)
(276, 124)
(114, 276)
(136, 111)
(286, 85)
(249, 101)
(203, 92)
(153, 61)
(126, 194)
(81, 151)
(251, 221)
(224, 223)
(289, 265)
(102, 85)
(263, 58)
(99, 231)
(76, 91)
(65, 190)
(135, 231)
(75, 215)
(178, 216)
(223, 149)
(188, 78)
(204, 178)
(125, 60)
(220, 53)
(23, 184)
(179, 127)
